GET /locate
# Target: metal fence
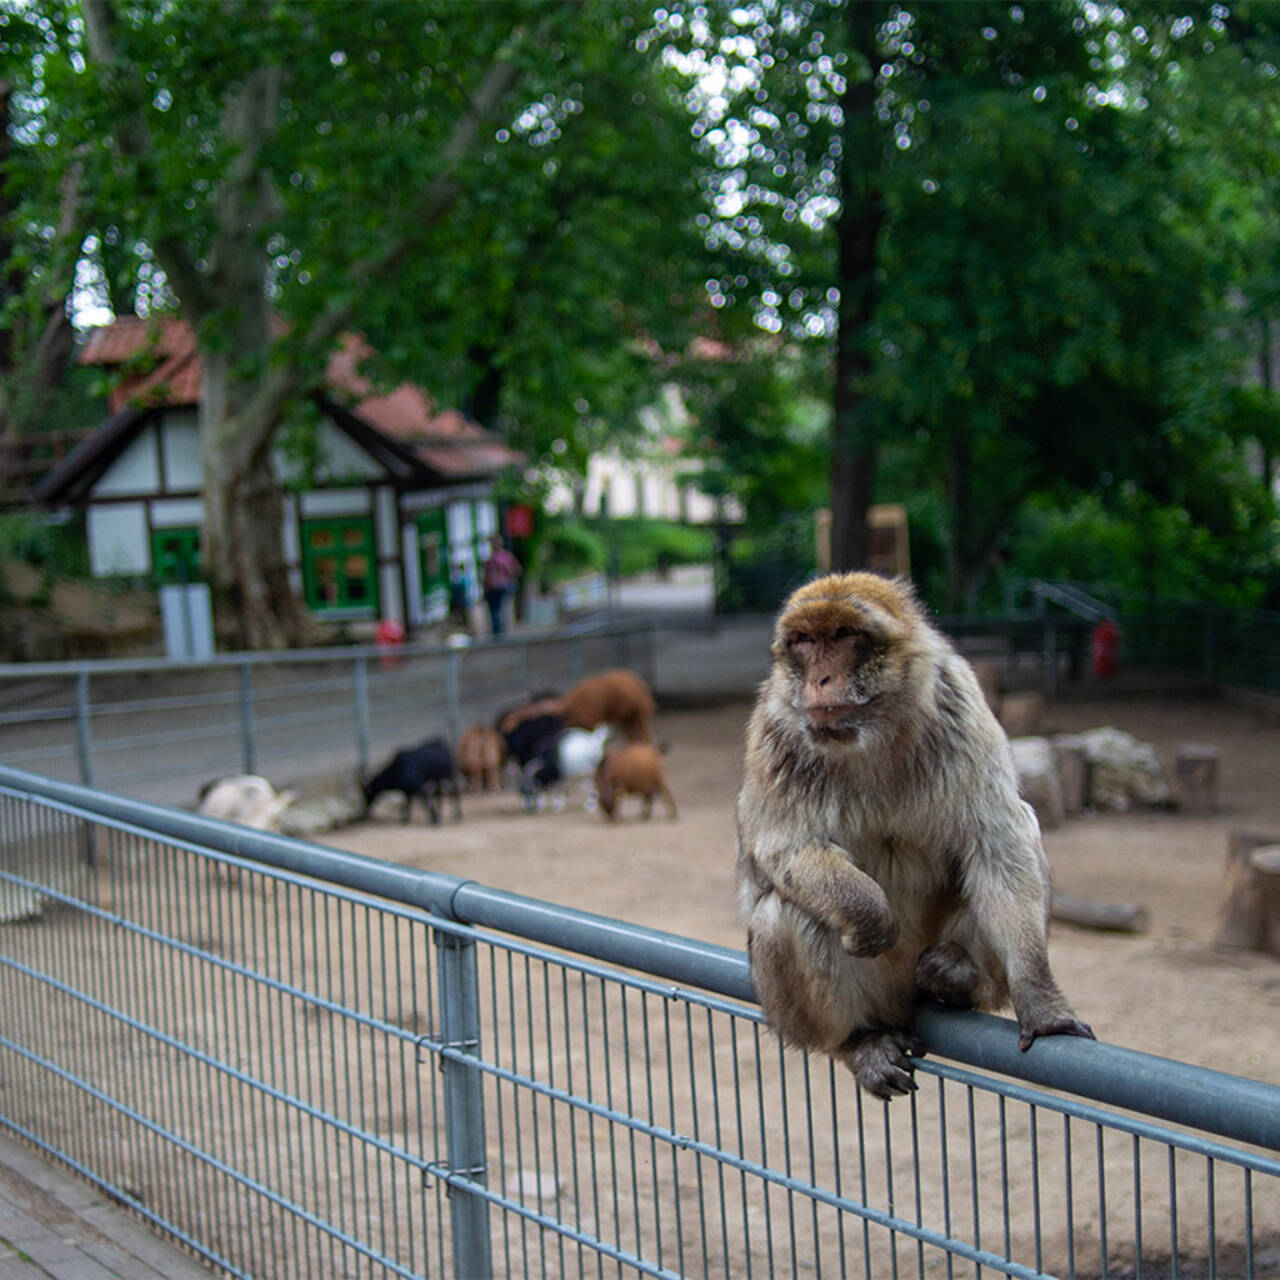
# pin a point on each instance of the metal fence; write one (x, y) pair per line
(156, 729)
(302, 1062)
(152, 727)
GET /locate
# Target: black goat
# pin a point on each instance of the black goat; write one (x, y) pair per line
(533, 737)
(426, 771)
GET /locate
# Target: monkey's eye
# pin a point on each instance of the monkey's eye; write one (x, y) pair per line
(843, 633)
(800, 637)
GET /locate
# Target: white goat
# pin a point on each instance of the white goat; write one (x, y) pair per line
(247, 799)
(575, 755)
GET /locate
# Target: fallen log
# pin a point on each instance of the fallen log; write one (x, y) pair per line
(1114, 917)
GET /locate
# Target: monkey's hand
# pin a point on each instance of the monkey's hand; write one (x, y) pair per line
(822, 880)
(881, 1061)
(1063, 1025)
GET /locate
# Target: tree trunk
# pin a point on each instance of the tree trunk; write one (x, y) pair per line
(853, 450)
(242, 540)
(1251, 900)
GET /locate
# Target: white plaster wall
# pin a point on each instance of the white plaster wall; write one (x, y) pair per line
(170, 513)
(412, 575)
(486, 519)
(336, 502)
(135, 471)
(457, 518)
(180, 445)
(340, 458)
(384, 505)
(391, 604)
(118, 540)
(289, 519)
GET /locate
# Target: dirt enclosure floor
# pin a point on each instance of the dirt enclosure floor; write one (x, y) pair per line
(1168, 992)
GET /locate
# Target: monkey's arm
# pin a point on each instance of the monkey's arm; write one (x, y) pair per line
(1006, 884)
(820, 879)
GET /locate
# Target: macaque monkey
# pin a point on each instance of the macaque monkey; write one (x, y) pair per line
(884, 854)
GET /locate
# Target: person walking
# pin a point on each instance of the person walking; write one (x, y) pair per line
(501, 572)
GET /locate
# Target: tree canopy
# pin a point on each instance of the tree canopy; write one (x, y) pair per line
(988, 259)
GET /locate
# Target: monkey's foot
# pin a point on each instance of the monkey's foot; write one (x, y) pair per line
(948, 973)
(1065, 1025)
(881, 1061)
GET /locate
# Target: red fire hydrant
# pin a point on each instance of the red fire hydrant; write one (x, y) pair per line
(1106, 649)
(388, 636)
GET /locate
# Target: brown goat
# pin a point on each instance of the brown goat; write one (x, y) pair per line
(620, 698)
(632, 770)
(549, 705)
(481, 753)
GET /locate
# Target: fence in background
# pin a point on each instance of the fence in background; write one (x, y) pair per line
(298, 1061)
(153, 728)
(156, 729)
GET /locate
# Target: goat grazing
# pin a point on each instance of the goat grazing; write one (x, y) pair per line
(426, 771)
(481, 753)
(635, 769)
(247, 799)
(574, 754)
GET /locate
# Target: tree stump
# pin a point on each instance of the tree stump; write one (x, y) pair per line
(1251, 903)
(1022, 714)
(1195, 777)
(1072, 774)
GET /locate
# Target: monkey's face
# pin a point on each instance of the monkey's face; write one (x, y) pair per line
(836, 643)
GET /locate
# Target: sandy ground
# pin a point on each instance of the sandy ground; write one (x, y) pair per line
(1167, 992)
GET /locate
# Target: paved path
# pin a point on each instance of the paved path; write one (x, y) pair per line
(53, 1224)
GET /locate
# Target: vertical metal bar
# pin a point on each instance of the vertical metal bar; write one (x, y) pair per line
(464, 1103)
(84, 734)
(361, 682)
(1137, 1206)
(247, 752)
(1050, 657)
(452, 709)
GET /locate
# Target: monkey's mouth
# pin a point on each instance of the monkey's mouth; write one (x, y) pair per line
(842, 721)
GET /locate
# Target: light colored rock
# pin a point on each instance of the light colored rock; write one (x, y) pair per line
(1038, 780)
(1123, 772)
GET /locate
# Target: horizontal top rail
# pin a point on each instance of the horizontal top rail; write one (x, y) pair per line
(298, 657)
(1229, 1106)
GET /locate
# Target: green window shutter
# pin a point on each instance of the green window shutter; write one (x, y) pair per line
(340, 565)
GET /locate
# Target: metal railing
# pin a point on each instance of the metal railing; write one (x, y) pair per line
(156, 728)
(298, 1061)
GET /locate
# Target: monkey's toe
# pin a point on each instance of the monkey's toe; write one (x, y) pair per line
(1064, 1026)
(881, 1062)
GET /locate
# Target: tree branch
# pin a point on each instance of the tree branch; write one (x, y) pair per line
(133, 140)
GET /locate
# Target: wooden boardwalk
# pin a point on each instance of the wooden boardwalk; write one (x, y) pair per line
(53, 1224)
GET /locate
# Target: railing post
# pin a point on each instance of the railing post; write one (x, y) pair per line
(247, 751)
(1049, 658)
(451, 694)
(463, 1104)
(84, 733)
(361, 675)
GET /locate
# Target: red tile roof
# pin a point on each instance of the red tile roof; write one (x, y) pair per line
(168, 373)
